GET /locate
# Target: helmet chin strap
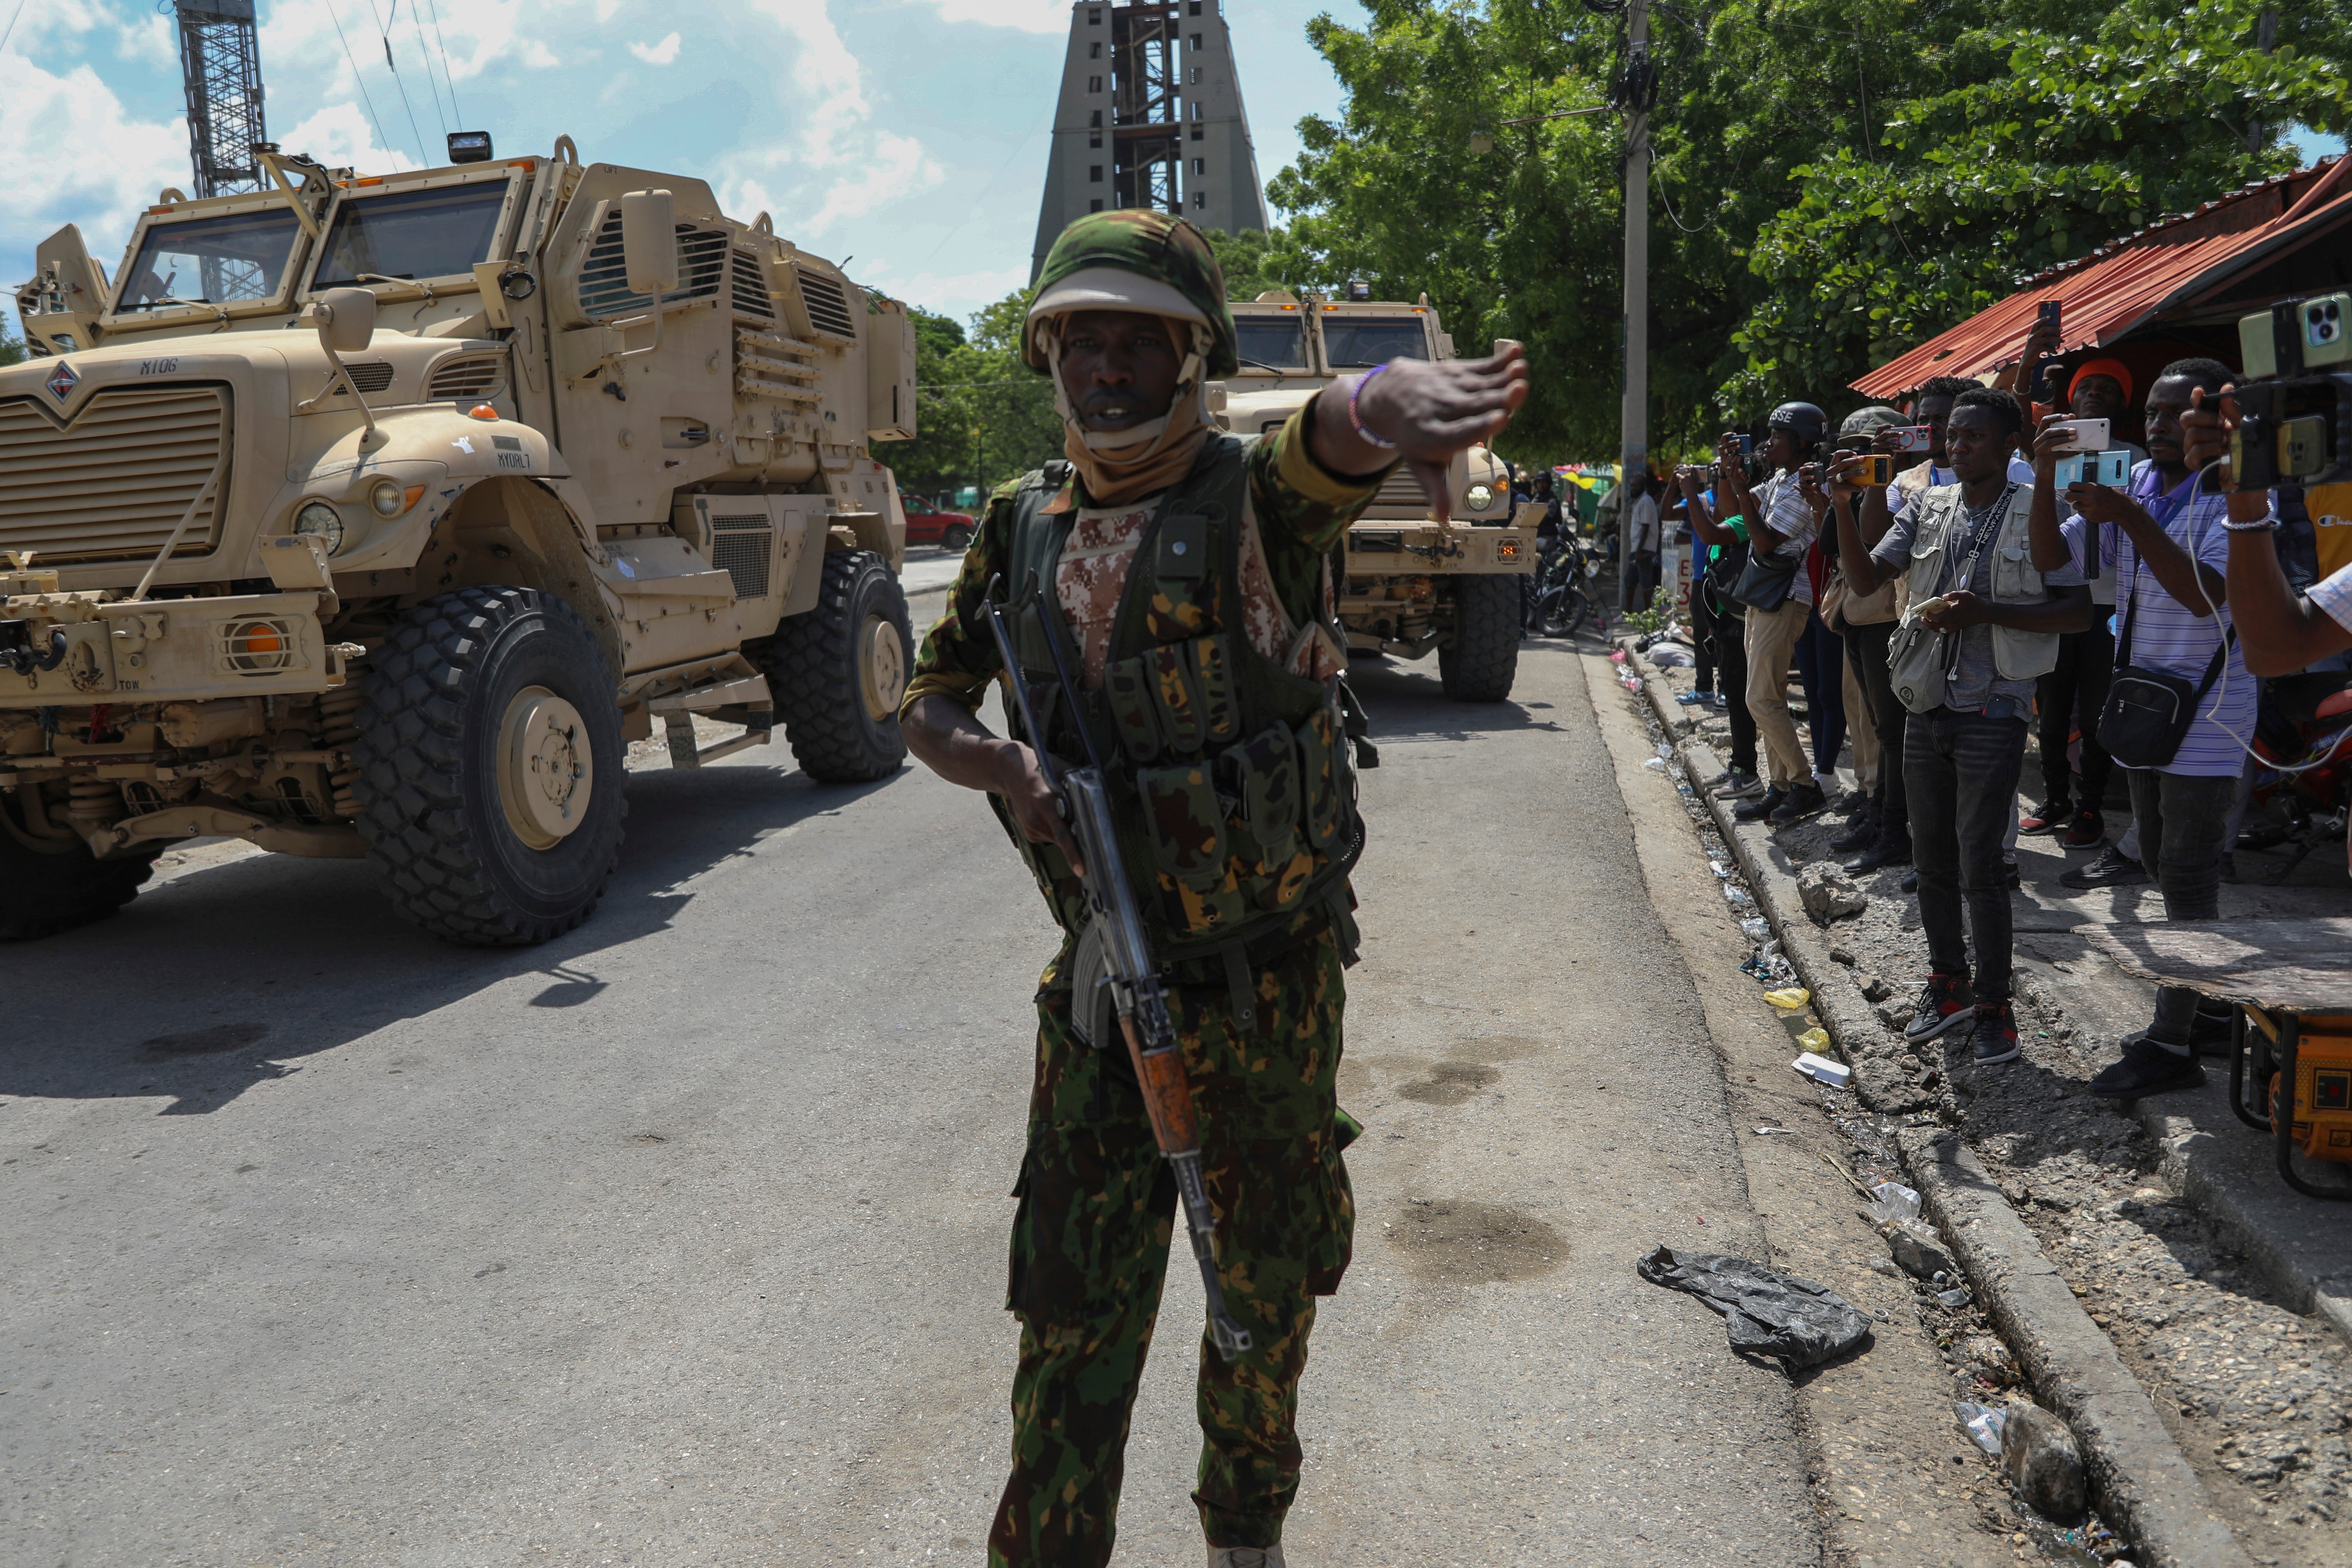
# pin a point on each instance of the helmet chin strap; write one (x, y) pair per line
(1113, 461)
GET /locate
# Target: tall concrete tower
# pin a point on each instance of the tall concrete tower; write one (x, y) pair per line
(1150, 116)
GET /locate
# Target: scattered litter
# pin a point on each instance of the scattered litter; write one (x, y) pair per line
(1738, 898)
(1893, 1200)
(1665, 752)
(1618, 656)
(1632, 683)
(1814, 1039)
(1789, 1001)
(1764, 1311)
(1821, 1069)
(1959, 1297)
(1670, 657)
(1718, 867)
(1983, 1422)
(1657, 762)
(1757, 928)
(1767, 1132)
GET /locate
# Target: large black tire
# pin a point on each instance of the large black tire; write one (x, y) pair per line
(49, 885)
(472, 718)
(1480, 660)
(956, 536)
(839, 671)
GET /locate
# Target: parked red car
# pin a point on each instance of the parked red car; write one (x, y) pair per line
(926, 524)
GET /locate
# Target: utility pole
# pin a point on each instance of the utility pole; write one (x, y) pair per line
(1638, 90)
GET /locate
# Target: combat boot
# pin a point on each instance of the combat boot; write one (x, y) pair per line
(1245, 1557)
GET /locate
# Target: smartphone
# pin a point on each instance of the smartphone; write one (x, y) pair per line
(2294, 335)
(2110, 469)
(1914, 437)
(2043, 389)
(1878, 468)
(2090, 434)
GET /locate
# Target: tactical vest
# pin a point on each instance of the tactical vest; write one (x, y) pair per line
(1228, 775)
(1941, 528)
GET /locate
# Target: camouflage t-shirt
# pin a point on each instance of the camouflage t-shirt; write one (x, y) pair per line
(1299, 510)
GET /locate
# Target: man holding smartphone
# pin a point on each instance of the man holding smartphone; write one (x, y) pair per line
(1982, 627)
(2168, 547)
(1781, 529)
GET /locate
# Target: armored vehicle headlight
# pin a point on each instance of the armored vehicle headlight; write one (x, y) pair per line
(1481, 497)
(385, 496)
(321, 522)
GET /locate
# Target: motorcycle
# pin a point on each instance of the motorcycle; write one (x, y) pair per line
(1560, 597)
(2303, 738)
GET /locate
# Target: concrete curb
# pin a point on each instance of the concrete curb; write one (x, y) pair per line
(2143, 1484)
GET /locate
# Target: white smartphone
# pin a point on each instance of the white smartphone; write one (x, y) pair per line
(2089, 435)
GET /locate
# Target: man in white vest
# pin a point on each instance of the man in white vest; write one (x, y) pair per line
(1981, 628)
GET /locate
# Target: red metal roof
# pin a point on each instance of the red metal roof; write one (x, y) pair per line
(2124, 284)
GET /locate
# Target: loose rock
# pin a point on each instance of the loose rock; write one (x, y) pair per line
(2039, 1457)
(1914, 1247)
(1829, 893)
(1875, 988)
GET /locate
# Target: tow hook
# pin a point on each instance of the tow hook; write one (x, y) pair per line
(17, 647)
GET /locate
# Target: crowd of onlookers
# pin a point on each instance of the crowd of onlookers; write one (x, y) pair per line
(1943, 582)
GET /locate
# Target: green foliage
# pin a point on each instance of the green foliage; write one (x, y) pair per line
(2067, 141)
(984, 417)
(1832, 181)
(11, 351)
(1254, 261)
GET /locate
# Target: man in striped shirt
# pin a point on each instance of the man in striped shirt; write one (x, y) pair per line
(2169, 551)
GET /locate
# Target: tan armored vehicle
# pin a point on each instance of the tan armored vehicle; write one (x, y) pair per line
(1407, 585)
(374, 517)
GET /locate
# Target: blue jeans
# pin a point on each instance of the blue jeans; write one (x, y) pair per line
(1959, 780)
(1821, 667)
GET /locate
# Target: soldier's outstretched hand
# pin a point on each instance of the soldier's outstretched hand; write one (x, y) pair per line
(1425, 411)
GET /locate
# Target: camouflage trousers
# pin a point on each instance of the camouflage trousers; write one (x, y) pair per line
(1090, 1251)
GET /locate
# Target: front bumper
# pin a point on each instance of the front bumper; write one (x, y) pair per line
(67, 649)
(1378, 548)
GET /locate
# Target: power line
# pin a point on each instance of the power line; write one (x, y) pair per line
(416, 26)
(445, 76)
(385, 34)
(12, 21)
(356, 81)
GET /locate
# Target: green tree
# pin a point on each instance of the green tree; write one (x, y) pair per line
(11, 351)
(983, 416)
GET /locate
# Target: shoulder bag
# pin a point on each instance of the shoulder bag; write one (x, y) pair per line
(2149, 712)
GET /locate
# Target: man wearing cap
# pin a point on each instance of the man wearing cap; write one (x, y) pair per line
(1185, 573)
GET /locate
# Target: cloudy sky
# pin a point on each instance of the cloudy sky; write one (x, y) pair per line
(908, 134)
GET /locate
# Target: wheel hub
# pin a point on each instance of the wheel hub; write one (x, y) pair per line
(545, 768)
(881, 667)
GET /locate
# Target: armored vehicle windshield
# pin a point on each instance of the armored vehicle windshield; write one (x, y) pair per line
(210, 260)
(1349, 340)
(1272, 342)
(411, 234)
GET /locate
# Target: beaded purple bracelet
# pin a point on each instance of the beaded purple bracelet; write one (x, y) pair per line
(1357, 419)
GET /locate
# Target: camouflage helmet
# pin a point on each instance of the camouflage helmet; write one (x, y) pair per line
(1135, 260)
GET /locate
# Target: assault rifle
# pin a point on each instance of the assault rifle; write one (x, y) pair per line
(1136, 991)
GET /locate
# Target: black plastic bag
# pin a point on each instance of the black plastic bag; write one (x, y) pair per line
(1766, 1312)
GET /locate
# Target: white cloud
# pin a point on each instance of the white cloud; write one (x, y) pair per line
(341, 136)
(1027, 15)
(119, 164)
(659, 54)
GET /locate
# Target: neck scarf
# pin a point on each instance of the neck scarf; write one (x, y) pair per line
(1120, 466)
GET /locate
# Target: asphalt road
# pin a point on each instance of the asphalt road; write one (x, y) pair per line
(681, 1241)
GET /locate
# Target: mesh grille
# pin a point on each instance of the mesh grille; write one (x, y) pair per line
(1401, 489)
(372, 377)
(465, 380)
(113, 482)
(828, 306)
(748, 286)
(605, 280)
(739, 546)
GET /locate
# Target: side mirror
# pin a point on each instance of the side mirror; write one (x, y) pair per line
(346, 319)
(649, 242)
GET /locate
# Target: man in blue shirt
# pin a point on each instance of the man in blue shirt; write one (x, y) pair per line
(2169, 553)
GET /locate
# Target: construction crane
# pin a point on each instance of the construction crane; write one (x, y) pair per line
(220, 63)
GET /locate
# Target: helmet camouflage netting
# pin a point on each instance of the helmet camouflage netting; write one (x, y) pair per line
(1135, 260)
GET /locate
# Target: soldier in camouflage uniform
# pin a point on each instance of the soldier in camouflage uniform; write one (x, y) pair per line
(1186, 575)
